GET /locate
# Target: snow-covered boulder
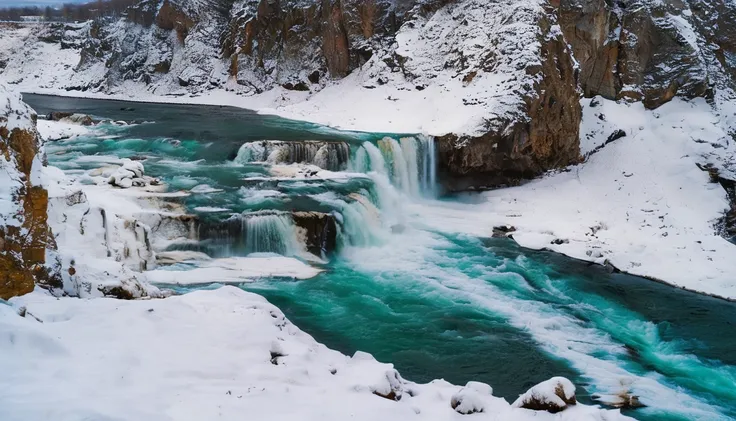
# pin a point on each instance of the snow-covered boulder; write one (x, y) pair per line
(470, 399)
(128, 174)
(553, 395)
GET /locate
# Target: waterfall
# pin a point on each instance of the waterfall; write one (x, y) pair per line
(428, 180)
(358, 220)
(270, 232)
(251, 152)
(410, 163)
(331, 156)
(376, 161)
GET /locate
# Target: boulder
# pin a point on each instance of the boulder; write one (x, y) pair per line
(82, 119)
(470, 399)
(553, 395)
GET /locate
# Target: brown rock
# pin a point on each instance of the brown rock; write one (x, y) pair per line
(633, 51)
(170, 17)
(335, 45)
(319, 231)
(23, 257)
(519, 149)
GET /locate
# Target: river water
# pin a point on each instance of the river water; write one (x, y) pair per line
(435, 303)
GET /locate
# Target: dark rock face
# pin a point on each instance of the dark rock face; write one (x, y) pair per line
(25, 236)
(293, 43)
(636, 49)
(319, 231)
(512, 150)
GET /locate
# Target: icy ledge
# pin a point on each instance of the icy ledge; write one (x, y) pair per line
(221, 354)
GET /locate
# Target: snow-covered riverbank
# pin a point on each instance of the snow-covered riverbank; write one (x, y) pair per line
(224, 353)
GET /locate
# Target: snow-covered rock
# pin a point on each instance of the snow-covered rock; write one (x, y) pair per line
(470, 399)
(553, 395)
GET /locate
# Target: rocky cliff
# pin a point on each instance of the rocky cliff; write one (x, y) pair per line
(24, 234)
(498, 82)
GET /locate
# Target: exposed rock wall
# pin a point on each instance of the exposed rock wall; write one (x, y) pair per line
(645, 50)
(24, 233)
(544, 136)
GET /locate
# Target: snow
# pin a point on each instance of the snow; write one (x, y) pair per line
(14, 114)
(235, 270)
(204, 355)
(640, 203)
(548, 393)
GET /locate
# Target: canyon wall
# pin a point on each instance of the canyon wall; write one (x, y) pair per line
(26, 243)
(516, 68)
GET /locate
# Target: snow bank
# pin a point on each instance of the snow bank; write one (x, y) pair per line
(55, 130)
(235, 270)
(640, 203)
(208, 354)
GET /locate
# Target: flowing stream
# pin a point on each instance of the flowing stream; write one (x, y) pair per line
(434, 303)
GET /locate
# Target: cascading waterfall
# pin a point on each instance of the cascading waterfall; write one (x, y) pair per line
(359, 221)
(410, 163)
(242, 234)
(269, 232)
(331, 156)
(428, 179)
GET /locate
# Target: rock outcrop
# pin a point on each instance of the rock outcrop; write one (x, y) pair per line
(24, 233)
(637, 50)
(539, 134)
(318, 231)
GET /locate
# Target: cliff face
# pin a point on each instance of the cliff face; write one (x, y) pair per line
(512, 70)
(24, 233)
(543, 135)
(638, 50)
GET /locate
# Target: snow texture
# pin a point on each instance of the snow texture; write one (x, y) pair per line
(207, 354)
